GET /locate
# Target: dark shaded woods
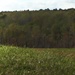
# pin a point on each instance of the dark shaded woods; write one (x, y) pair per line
(38, 29)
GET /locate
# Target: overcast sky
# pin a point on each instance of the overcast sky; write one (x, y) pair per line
(10, 5)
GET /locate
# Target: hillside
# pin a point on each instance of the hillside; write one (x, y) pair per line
(39, 29)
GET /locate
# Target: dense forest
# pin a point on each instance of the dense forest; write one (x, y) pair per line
(38, 29)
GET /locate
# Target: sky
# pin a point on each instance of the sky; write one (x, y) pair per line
(12, 5)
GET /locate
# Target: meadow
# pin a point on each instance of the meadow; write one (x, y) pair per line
(37, 61)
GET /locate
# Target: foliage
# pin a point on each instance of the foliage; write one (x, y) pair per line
(43, 28)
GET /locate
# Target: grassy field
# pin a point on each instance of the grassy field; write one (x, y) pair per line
(36, 61)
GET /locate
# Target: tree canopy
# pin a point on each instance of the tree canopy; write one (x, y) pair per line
(39, 29)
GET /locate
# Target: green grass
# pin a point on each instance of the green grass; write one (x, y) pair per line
(36, 61)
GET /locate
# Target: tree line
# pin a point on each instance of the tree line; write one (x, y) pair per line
(38, 29)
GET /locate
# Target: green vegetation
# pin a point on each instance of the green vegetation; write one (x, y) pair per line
(37, 61)
(38, 29)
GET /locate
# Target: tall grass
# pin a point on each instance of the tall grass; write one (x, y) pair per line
(36, 61)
